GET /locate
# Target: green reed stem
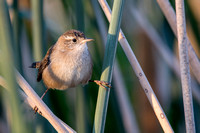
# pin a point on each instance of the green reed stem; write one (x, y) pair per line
(80, 95)
(38, 32)
(111, 46)
(11, 99)
(16, 46)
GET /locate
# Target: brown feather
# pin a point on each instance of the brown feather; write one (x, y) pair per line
(44, 63)
(35, 65)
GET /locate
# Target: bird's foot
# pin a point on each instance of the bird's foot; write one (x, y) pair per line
(37, 110)
(103, 84)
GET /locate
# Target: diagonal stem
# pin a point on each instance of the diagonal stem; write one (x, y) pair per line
(40, 104)
(23, 84)
(140, 74)
(171, 18)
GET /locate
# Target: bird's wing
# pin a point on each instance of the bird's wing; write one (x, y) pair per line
(44, 63)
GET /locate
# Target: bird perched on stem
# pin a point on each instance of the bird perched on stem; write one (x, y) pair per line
(67, 64)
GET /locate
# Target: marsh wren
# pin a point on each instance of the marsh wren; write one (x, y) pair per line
(67, 64)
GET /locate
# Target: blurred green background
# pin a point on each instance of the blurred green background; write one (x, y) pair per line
(36, 25)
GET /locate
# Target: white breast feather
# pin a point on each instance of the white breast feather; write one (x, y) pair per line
(72, 67)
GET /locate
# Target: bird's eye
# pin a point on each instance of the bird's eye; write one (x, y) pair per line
(74, 40)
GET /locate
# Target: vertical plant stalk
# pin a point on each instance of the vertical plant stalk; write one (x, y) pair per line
(171, 18)
(11, 98)
(38, 33)
(164, 51)
(100, 21)
(111, 45)
(80, 95)
(140, 74)
(16, 31)
(126, 110)
(80, 15)
(184, 67)
(128, 114)
(80, 110)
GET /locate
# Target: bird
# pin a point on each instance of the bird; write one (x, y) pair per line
(67, 63)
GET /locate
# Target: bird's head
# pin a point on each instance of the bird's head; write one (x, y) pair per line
(73, 39)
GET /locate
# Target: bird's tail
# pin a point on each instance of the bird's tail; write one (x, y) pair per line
(35, 65)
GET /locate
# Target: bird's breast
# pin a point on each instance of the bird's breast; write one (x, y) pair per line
(68, 70)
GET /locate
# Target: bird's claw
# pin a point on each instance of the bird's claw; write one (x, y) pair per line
(103, 84)
(35, 109)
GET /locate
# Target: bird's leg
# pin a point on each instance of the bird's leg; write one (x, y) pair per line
(44, 93)
(103, 84)
(36, 108)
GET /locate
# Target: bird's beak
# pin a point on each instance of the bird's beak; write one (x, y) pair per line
(86, 40)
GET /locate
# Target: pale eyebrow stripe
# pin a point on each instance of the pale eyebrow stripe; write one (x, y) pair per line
(68, 37)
